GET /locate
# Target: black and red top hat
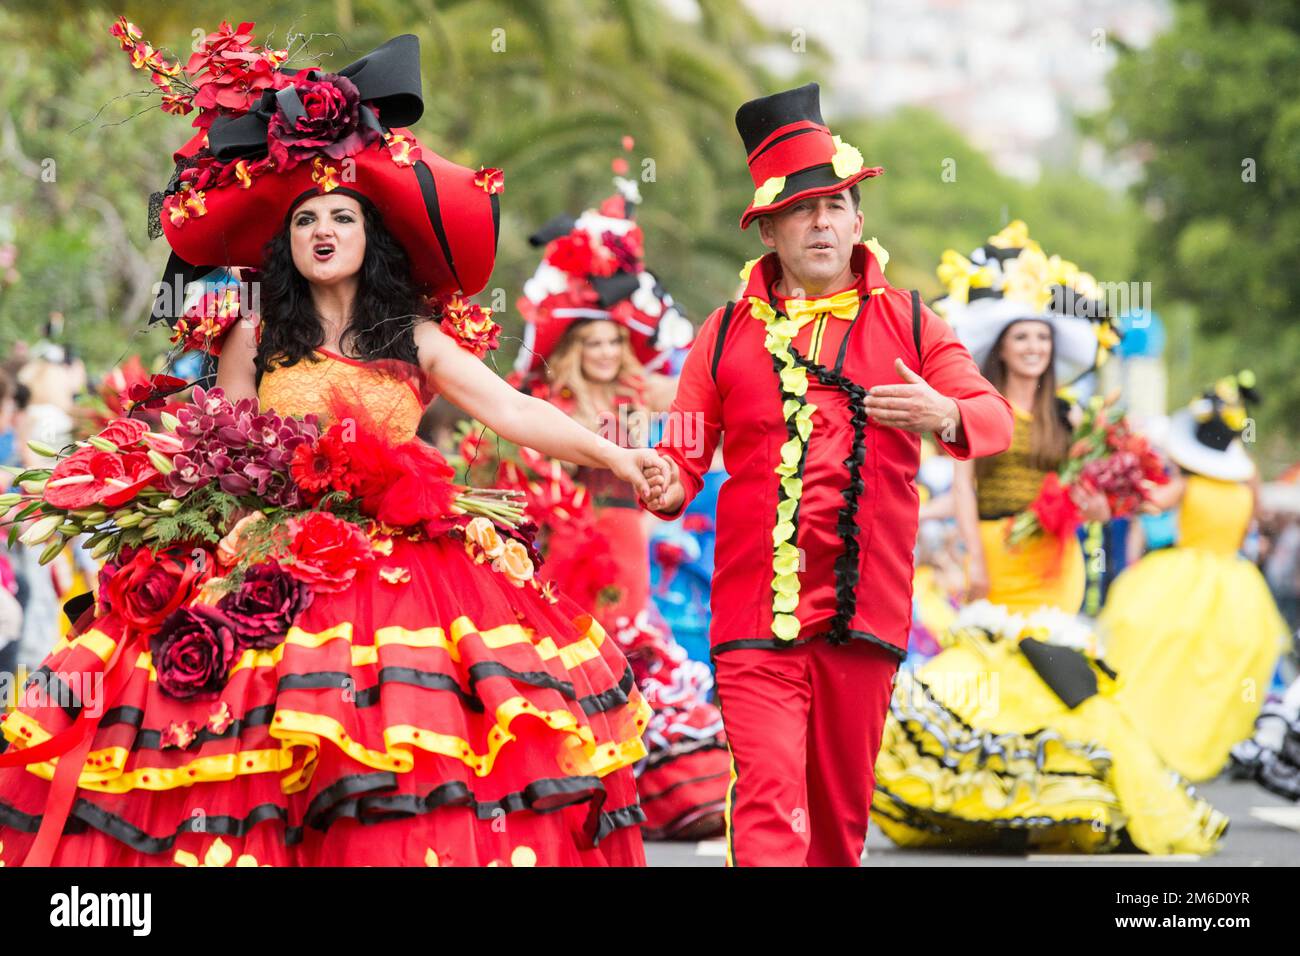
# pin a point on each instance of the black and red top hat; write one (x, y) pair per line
(792, 154)
(270, 137)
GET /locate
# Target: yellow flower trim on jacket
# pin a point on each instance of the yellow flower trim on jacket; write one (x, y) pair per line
(797, 411)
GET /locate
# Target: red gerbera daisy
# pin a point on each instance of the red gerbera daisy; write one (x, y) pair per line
(320, 466)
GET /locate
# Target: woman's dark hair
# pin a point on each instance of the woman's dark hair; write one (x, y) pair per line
(1049, 436)
(382, 324)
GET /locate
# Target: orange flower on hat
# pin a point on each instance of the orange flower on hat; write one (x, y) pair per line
(491, 181)
(185, 205)
(404, 149)
(323, 175)
(470, 325)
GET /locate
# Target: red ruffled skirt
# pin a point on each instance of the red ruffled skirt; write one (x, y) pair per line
(453, 719)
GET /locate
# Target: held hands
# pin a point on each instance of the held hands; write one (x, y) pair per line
(635, 465)
(666, 491)
(913, 406)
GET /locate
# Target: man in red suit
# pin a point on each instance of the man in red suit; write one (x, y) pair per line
(823, 377)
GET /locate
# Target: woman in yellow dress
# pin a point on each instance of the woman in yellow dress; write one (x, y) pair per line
(1011, 737)
(1193, 628)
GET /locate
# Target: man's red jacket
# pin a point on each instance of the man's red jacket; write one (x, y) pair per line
(729, 384)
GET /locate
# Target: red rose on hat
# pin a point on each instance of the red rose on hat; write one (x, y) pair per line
(330, 123)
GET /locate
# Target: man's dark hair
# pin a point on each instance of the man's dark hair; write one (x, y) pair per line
(856, 195)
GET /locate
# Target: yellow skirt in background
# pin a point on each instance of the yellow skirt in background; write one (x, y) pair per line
(1042, 571)
(1195, 636)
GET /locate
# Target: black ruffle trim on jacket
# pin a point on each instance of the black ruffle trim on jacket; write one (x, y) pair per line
(847, 564)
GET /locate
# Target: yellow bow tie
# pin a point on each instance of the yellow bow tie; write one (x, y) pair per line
(842, 305)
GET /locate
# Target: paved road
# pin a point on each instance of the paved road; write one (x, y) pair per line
(1265, 831)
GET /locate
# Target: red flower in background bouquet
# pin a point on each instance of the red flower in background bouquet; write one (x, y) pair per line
(1106, 456)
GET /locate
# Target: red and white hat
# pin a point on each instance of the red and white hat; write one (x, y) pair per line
(592, 268)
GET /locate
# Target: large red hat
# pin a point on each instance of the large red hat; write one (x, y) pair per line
(792, 154)
(285, 135)
(593, 269)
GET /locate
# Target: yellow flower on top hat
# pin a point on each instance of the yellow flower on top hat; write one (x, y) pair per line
(1027, 278)
(1226, 389)
(766, 193)
(1015, 235)
(847, 160)
(879, 252)
(1234, 416)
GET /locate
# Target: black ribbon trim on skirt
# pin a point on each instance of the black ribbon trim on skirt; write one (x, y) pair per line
(922, 818)
(148, 739)
(597, 703)
(538, 797)
(948, 764)
(348, 799)
(86, 814)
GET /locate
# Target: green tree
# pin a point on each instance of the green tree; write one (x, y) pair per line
(1212, 107)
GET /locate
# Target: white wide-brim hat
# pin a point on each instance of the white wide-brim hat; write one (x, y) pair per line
(1192, 454)
(1076, 349)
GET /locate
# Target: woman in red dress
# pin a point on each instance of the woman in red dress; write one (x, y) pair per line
(397, 690)
(599, 325)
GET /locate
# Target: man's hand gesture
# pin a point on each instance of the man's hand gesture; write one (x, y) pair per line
(914, 406)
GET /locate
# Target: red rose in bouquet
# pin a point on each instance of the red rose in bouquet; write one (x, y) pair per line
(143, 589)
(326, 552)
(265, 606)
(193, 652)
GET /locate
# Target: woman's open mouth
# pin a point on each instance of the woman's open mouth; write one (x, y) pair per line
(322, 252)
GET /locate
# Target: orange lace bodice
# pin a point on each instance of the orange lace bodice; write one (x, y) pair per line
(390, 394)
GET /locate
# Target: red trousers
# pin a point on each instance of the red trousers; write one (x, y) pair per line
(804, 725)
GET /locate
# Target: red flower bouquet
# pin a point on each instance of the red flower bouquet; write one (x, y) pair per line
(277, 509)
(1105, 456)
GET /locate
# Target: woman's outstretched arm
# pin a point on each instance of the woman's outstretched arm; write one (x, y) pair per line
(520, 418)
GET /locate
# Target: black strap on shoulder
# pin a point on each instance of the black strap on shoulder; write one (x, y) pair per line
(722, 337)
(916, 328)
